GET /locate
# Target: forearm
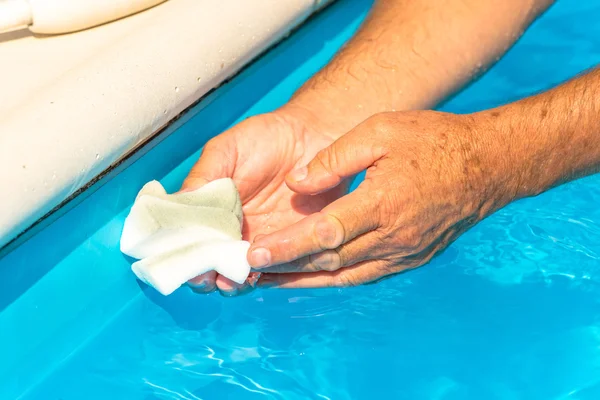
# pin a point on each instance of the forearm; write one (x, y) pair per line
(550, 138)
(410, 54)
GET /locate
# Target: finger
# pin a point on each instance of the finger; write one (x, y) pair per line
(258, 237)
(216, 161)
(230, 288)
(358, 274)
(338, 223)
(204, 283)
(350, 154)
(362, 248)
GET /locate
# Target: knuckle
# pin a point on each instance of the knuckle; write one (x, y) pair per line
(379, 196)
(388, 212)
(404, 239)
(410, 238)
(380, 122)
(303, 264)
(329, 232)
(326, 261)
(211, 145)
(327, 160)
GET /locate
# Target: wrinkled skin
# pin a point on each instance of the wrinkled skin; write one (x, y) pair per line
(257, 154)
(429, 177)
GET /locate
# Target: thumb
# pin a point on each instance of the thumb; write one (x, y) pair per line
(216, 161)
(350, 154)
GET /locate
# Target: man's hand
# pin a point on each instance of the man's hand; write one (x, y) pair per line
(258, 154)
(406, 56)
(429, 177)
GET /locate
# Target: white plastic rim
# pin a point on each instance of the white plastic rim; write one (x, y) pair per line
(14, 14)
(62, 16)
(74, 104)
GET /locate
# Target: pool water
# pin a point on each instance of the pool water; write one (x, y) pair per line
(509, 311)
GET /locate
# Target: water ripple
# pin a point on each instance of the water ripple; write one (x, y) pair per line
(510, 311)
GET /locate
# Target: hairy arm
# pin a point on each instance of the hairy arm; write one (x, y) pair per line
(550, 138)
(410, 54)
(430, 176)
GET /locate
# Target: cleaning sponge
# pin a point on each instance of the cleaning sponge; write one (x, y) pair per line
(179, 236)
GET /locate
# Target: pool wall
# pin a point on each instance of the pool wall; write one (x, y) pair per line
(73, 105)
(62, 286)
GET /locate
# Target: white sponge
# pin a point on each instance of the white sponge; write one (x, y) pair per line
(180, 236)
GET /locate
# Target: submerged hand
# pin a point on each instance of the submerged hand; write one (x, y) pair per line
(257, 154)
(428, 179)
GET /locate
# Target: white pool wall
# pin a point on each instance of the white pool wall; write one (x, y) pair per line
(72, 105)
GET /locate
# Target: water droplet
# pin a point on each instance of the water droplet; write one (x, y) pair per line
(54, 176)
(165, 111)
(220, 50)
(176, 89)
(97, 156)
(199, 79)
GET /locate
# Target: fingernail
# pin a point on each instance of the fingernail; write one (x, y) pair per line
(197, 285)
(237, 290)
(299, 174)
(201, 287)
(260, 258)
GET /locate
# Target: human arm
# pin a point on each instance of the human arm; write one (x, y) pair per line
(407, 55)
(430, 177)
(553, 137)
(411, 54)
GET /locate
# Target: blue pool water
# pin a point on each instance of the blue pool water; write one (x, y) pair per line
(509, 311)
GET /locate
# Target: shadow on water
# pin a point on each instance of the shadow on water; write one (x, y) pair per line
(26, 264)
(199, 311)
